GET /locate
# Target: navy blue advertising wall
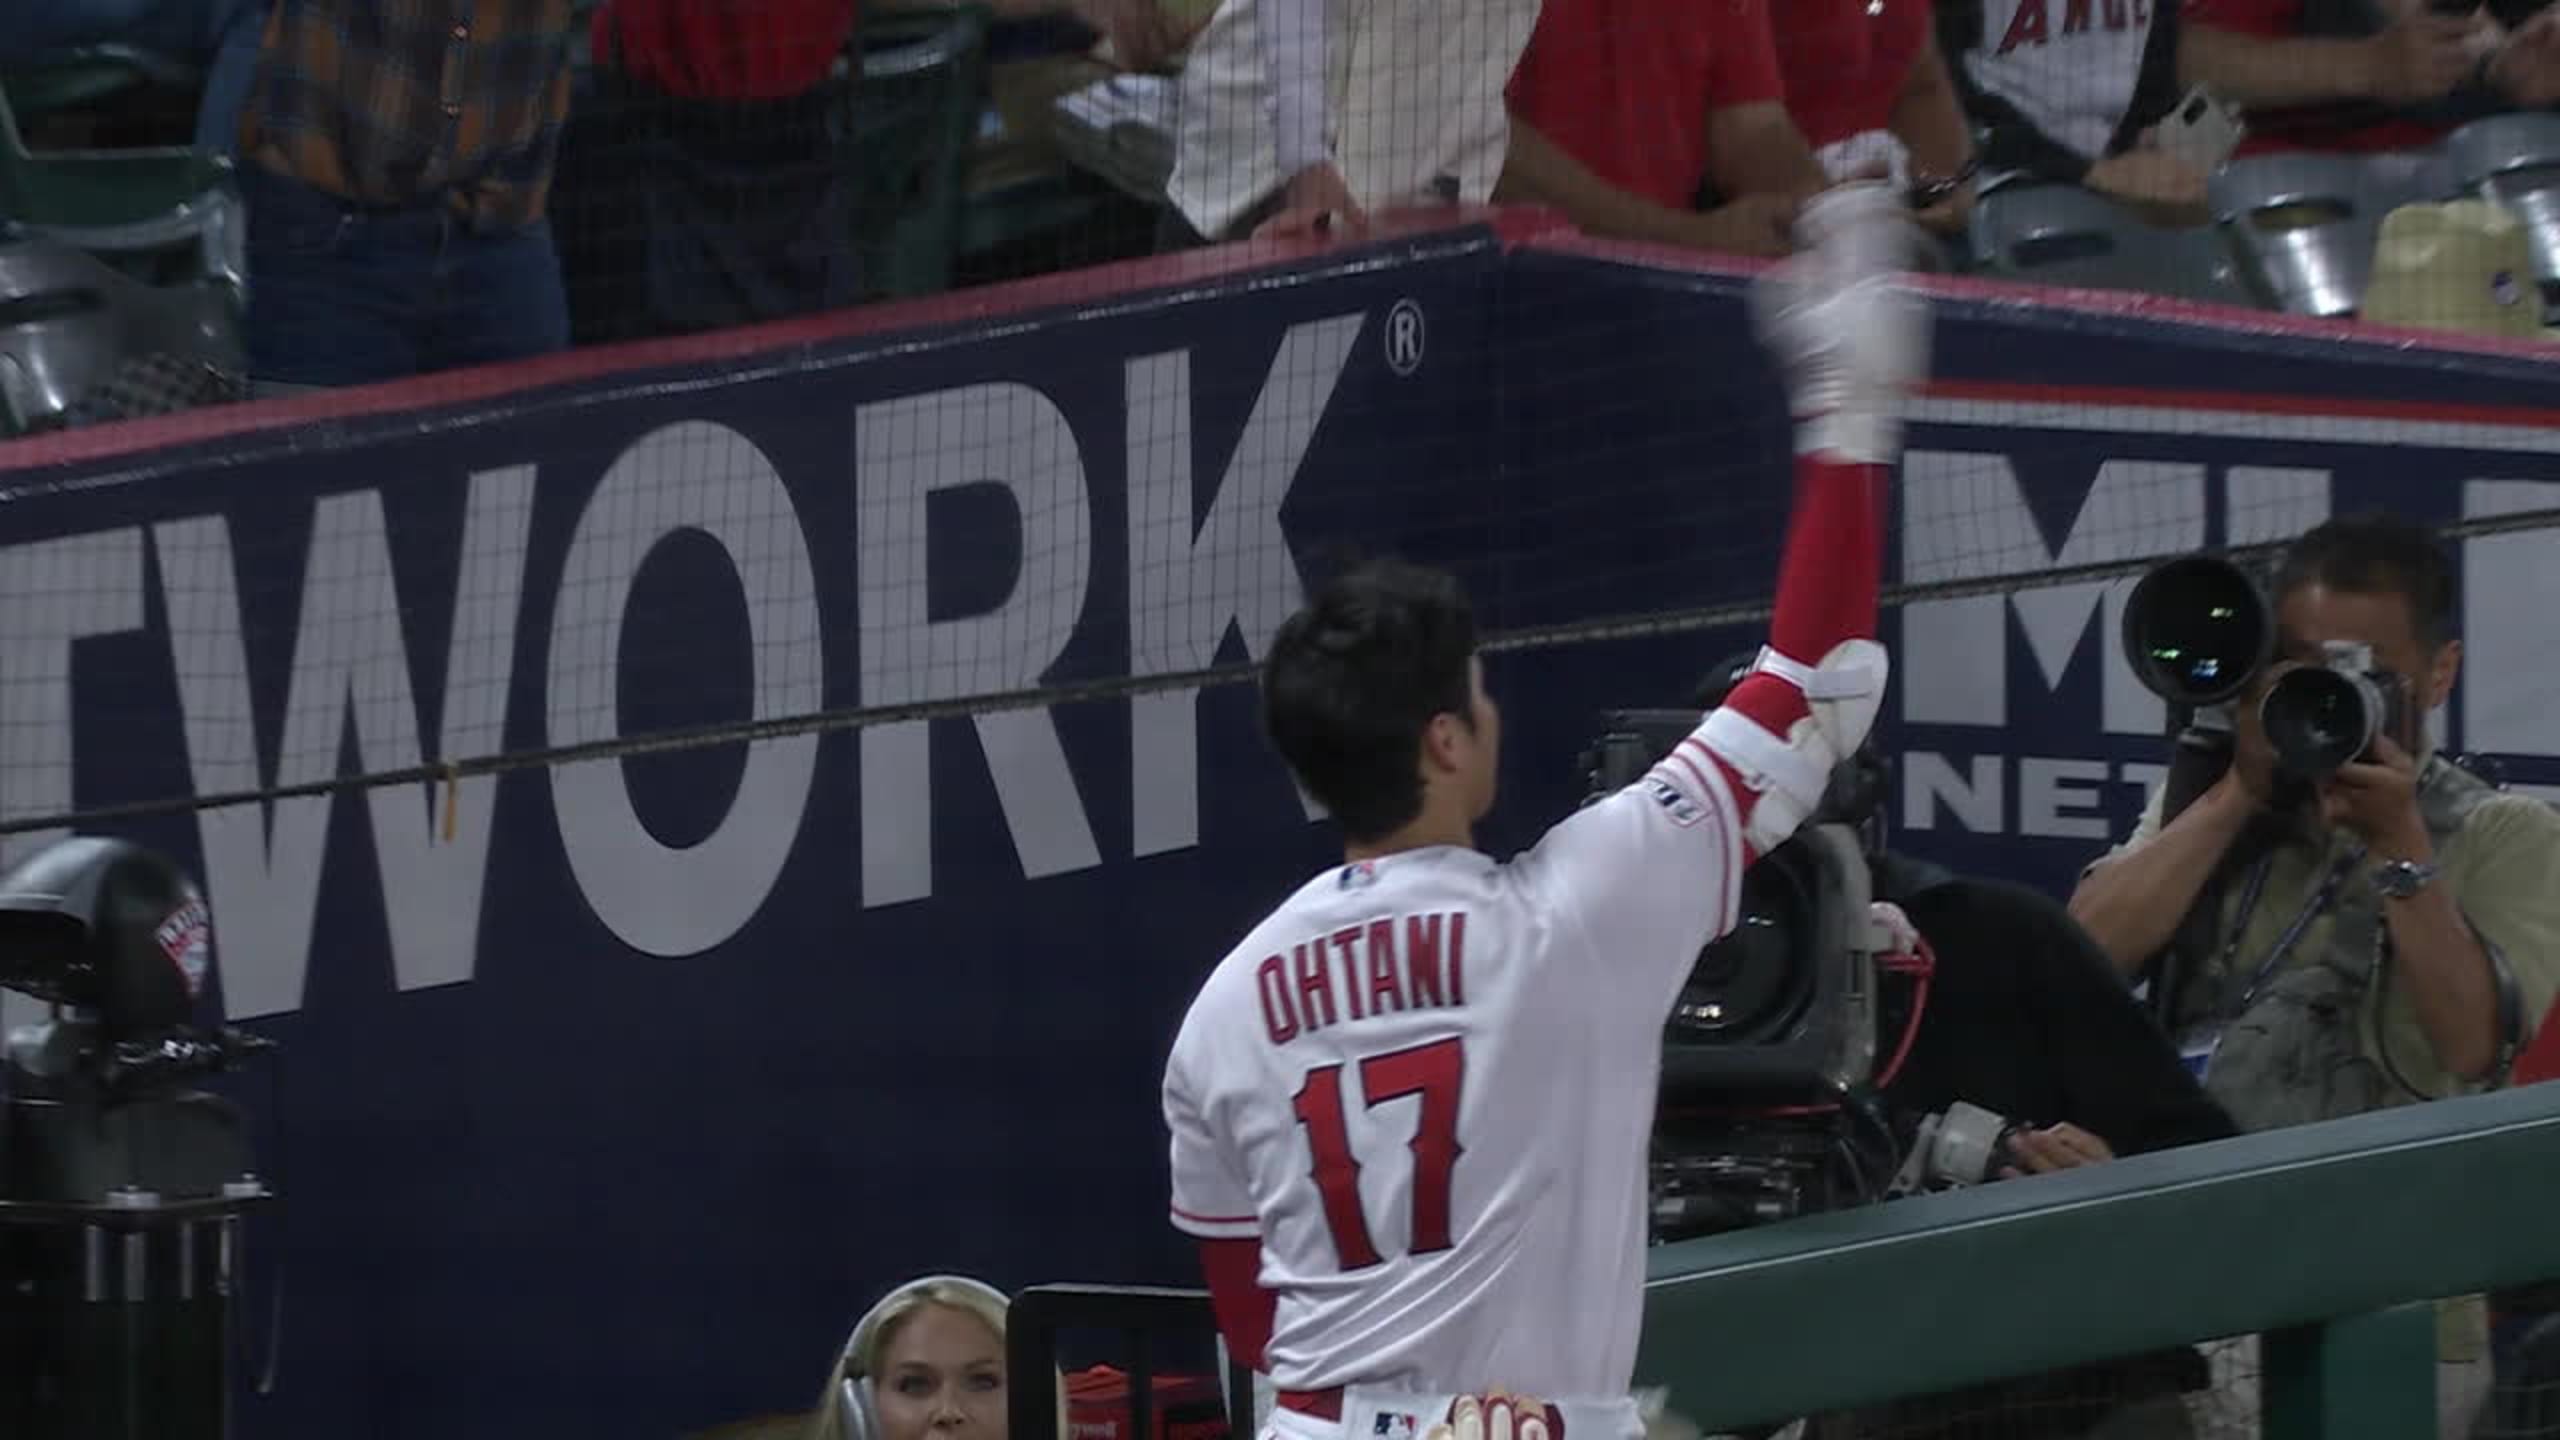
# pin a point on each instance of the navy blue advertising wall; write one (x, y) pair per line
(2056, 433)
(612, 1090)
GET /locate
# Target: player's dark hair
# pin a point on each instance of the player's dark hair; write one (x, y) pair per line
(2377, 554)
(1353, 681)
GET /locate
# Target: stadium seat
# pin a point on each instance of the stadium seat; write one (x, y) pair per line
(915, 116)
(169, 215)
(2514, 160)
(92, 75)
(1021, 193)
(2068, 235)
(82, 342)
(2303, 225)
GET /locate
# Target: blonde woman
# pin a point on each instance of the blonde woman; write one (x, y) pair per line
(926, 1363)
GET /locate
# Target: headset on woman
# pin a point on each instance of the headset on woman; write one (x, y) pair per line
(854, 1380)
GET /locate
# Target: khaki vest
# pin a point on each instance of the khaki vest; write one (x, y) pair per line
(2310, 1044)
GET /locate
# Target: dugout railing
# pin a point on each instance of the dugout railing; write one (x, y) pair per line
(2329, 1241)
(2320, 1239)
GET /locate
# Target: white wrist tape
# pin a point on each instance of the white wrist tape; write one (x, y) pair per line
(1856, 434)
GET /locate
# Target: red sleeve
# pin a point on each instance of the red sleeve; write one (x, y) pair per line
(719, 51)
(2273, 19)
(1827, 591)
(1742, 54)
(1831, 569)
(1244, 1308)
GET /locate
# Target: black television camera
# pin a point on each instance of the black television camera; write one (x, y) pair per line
(1769, 1105)
(121, 1191)
(2200, 633)
(1764, 1111)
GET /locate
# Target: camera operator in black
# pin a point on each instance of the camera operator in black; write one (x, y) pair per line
(2024, 1017)
(2381, 935)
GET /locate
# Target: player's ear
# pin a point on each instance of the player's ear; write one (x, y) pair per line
(1441, 740)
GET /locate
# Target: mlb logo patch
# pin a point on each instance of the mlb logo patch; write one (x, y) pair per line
(1682, 810)
(1356, 875)
(1392, 1425)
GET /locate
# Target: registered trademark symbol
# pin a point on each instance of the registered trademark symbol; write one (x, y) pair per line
(1404, 337)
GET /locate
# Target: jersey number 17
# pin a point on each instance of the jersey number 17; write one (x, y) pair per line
(1436, 1072)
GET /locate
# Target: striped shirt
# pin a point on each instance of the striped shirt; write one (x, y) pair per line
(397, 104)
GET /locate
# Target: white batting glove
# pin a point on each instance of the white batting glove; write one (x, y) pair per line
(1848, 337)
(1498, 1415)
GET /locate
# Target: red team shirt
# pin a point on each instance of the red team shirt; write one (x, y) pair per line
(721, 50)
(1393, 1082)
(1844, 68)
(1627, 86)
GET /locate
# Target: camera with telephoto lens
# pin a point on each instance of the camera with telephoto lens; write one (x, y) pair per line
(2319, 718)
(2199, 630)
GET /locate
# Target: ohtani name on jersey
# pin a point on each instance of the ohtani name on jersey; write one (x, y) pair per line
(1390, 965)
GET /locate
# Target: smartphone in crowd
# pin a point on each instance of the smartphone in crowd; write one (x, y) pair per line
(2202, 131)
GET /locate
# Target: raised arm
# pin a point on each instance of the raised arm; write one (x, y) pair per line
(1850, 342)
(2133, 901)
(1656, 870)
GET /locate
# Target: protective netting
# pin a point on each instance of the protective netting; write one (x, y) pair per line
(648, 168)
(562, 175)
(998, 519)
(619, 169)
(687, 612)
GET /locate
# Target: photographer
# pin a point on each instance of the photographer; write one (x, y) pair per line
(2399, 861)
(2380, 934)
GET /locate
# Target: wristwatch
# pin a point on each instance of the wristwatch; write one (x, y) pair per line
(2400, 879)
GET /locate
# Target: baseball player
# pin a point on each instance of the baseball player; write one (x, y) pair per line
(1410, 1112)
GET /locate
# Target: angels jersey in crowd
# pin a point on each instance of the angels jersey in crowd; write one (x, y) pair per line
(2068, 66)
(1427, 1083)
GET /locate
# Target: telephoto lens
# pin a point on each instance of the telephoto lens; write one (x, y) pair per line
(2318, 718)
(2196, 629)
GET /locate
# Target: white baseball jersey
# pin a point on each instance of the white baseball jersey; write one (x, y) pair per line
(1427, 1084)
(1409, 104)
(2069, 66)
